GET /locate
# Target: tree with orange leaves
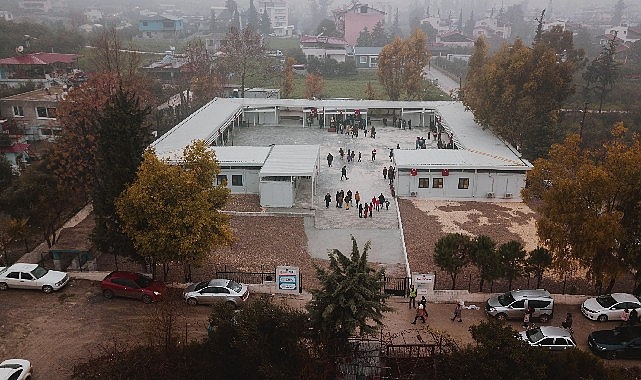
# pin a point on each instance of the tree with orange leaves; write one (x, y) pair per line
(314, 85)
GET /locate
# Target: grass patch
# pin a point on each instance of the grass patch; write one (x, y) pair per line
(275, 43)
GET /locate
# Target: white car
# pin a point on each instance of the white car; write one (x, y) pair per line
(552, 338)
(610, 306)
(217, 290)
(15, 369)
(31, 276)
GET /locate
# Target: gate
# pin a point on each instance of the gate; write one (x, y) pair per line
(396, 286)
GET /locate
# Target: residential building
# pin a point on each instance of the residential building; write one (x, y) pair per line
(39, 68)
(36, 5)
(33, 113)
(366, 57)
(93, 15)
(491, 27)
(627, 34)
(173, 68)
(352, 19)
(454, 38)
(160, 25)
(324, 47)
(6, 15)
(278, 12)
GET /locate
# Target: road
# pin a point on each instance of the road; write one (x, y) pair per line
(446, 83)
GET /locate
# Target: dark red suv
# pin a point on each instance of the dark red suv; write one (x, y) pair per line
(132, 285)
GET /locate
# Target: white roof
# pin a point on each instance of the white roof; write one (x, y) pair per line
(204, 124)
(226, 155)
(454, 159)
(291, 160)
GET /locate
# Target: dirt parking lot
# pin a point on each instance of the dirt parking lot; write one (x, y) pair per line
(58, 330)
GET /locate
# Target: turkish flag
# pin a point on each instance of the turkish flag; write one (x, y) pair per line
(445, 172)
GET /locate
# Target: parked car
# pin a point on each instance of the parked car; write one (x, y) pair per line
(511, 305)
(623, 341)
(216, 290)
(32, 276)
(132, 285)
(552, 338)
(15, 369)
(610, 306)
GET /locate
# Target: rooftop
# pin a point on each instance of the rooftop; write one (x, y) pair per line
(54, 93)
(39, 59)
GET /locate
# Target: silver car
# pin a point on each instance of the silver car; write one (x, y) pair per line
(217, 290)
(552, 338)
(512, 305)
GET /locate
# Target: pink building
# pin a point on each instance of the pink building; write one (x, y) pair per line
(352, 19)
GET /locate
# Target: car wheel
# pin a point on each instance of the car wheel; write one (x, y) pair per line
(501, 317)
(108, 294)
(602, 318)
(47, 289)
(3, 286)
(611, 355)
(231, 304)
(544, 318)
(192, 301)
(146, 298)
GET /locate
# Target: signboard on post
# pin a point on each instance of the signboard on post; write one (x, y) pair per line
(424, 283)
(287, 279)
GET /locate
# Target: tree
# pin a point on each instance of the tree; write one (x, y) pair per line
(265, 24)
(395, 29)
(327, 28)
(123, 134)
(350, 298)
(452, 253)
(110, 56)
(314, 84)
(289, 85)
(617, 16)
(537, 262)
(172, 212)
(416, 59)
(252, 16)
(391, 61)
(378, 35)
(602, 73)
(512, 256)
(242, 51)
(469, 25)
(370, 92)
(364, 38)
(484, 256)
(598, 230)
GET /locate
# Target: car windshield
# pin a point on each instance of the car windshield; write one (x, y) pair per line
(39, 272)
(506, 299)
(233, 285)
(10, 365)
(201, 285)
(534, 335)
(143, 281)
(606, 301)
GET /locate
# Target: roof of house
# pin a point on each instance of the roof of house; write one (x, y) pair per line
(322, 39)
(291, 160)
(367, 50)
(161, 18)
(39, 59)
(242, 155)
(51, 94)
(454, 159)
(454, 36)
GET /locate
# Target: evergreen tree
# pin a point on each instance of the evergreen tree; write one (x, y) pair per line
(538, 261)
(602, 73)
(469, 25)
(252, 16)
(617, 16)
(378, 35)
(122, 136)
(364, 38)
(349, 300)
(395, 30)
(451, 253)
(512, 256)
(486, 259)
(265, 24)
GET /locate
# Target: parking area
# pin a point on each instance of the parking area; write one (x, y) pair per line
(55, 331)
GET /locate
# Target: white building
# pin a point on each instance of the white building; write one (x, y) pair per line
(6, 15)
(278, 12)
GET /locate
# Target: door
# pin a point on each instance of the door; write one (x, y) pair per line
(13, 280)
(27, 281)
(516, 310)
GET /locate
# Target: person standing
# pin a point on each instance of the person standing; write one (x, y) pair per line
(360, 210)
(373, 154)
(349, 197)
(371, 207)
(634, 317)
(359, 156)
(391, 154)
(357, 197)
(625, 316)
(344, 173)
(384, 172)
(457, 311)
(328, 199)
(330, 158)
(338, 197)
(420, 313)
(412, 294)
(381, 200)
(342, 153)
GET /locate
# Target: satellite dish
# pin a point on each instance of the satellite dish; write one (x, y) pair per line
(20, 49)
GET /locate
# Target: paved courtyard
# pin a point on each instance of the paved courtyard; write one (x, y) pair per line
(334, 224)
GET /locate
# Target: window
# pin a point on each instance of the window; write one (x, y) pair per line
(144, 23)
(236, 180)
(437, 183)
(26, 276)
(46, 112)
(15, 275)
(18, 111)
(423, 183)
(363, 59)
(168, 24)
(518, 304)
(547, 342)
(221, 180)
(463, 183)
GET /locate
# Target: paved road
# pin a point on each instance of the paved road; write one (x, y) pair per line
(446, 83)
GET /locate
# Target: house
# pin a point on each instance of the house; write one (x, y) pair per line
(173, 68)
(454, 38)
(160, 25)
(36, 5)
(324, 47)
(492, 27)
(33, 113)
(278, 12)
(628, 35)
(93, 15)
(366, 57)
(39, 68)
(352, 19)
(6, 15)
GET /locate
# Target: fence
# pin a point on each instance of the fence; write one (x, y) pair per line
(396, 286)
(247, 277)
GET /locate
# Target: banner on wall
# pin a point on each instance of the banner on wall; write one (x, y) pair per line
(287, 279)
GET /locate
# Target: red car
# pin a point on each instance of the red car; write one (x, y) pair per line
(132, 285)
